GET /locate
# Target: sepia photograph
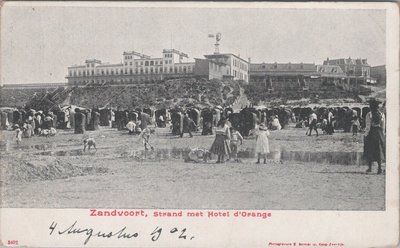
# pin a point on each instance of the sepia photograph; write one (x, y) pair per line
(211, 124)
(193, 108)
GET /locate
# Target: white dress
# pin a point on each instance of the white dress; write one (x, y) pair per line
(276, 125)
(131, 126)
(262, 144)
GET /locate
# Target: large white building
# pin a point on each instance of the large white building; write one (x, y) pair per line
(140, 68)
(135, 68)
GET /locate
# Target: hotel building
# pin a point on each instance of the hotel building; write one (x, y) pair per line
(135, 68)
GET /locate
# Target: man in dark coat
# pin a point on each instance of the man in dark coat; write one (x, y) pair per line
(283, 117)
(17, 117)
(187, 123)
(207, 116)
(118, 118)
(80, 121)
(96, 120)
(144, 120)
(4, 118)
(88, 115)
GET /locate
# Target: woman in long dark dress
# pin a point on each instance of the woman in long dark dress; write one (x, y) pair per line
(329, 118)
(220, 146)
(80, 121)
(374, 141)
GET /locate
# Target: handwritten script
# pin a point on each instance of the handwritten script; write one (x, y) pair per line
(119, 233)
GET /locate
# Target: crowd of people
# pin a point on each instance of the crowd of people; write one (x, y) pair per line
(29, 123)
(229, 127)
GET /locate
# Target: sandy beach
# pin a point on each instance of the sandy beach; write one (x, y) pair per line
(301, 173)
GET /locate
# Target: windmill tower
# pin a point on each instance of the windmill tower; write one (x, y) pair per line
(217, 39)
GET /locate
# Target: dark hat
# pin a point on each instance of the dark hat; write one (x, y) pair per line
(374, 102)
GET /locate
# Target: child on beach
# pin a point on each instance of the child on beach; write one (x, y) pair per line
(355, 124)
(235, 138)
(89, 142)
(145, 136)
(262, 144)
(18, 134)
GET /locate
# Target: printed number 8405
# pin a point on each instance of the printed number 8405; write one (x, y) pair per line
(12, 242)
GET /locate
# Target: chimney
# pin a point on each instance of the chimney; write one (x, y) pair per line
(249, 60)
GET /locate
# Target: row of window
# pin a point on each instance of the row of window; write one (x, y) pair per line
(146, 70)
(216, 67)
(130, 80)
(239, 64)
(83, 73)
(148, 62)
(239, 75)
(90, 65)
(275, 66)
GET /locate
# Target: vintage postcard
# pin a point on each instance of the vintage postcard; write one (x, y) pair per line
(211, 124)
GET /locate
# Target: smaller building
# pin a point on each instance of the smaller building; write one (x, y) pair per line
(209, 69)
(379, 73)
(330, 71)
(281, 69)
(351, 67)
(295, 76)
(235, 67)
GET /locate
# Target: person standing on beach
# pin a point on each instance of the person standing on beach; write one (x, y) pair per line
(220, 145)
(374, 139)
(355, 123)
(186, 125)
(262, 144)
(312, 120)
(145, 137)
(18, 134)
(236, 137)
(80, 122)
(329, 118)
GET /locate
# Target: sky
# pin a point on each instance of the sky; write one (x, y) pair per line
(39, 43)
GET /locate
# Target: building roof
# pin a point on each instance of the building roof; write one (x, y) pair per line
(348, 61)
(109, 65)
(76, 66)
(283, 67)
(34, 85)
(93, 61)
(219, 55)
(176, 52)
(212, 61)
(330, 69)
(148, 59)
(289, 69)
(378, 67)
(140, 55)
(136, 54)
